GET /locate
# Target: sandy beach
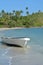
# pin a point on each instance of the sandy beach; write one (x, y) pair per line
(11, 28)
(16, 28)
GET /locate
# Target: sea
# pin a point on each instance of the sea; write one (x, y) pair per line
(30, 55)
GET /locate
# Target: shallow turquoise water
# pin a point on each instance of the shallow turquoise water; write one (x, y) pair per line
(23, 56)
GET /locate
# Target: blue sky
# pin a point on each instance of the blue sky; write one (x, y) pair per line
(10, 5)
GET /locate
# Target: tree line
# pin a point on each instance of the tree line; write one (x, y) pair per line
(16, 19)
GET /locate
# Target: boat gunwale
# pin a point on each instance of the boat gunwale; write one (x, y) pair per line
(14, 37)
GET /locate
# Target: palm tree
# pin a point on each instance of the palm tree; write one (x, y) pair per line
(13, 12)
(26, 8)
(2, 12)
(17, 13)
(21, 11)
(27, 12)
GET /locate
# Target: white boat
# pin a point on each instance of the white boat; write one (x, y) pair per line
(21, 41)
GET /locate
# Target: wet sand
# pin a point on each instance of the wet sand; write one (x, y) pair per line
(10, 55)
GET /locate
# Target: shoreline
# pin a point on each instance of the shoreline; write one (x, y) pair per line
(17, 28)
(10, 28)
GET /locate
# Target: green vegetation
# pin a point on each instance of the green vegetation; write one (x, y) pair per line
(16, 19)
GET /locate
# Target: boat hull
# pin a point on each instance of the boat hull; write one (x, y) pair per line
(16, 41)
